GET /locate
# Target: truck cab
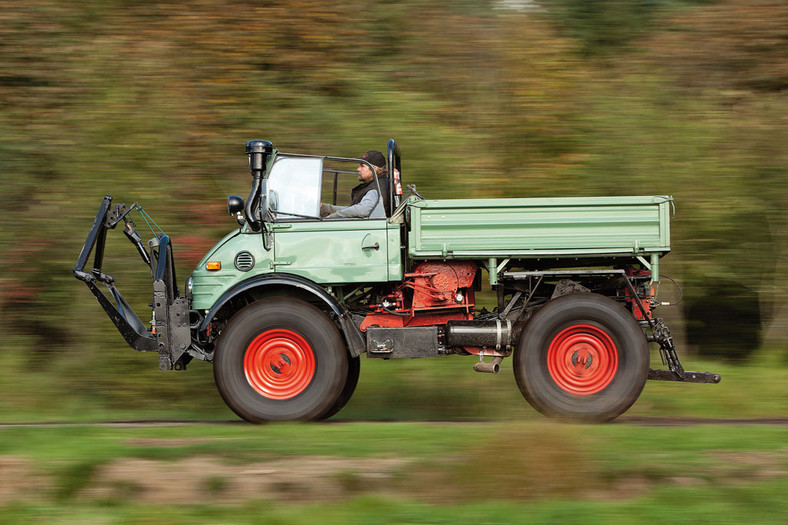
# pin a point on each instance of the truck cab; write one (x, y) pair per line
(282, 231)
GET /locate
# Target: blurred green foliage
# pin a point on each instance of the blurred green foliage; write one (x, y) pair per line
(153, 102)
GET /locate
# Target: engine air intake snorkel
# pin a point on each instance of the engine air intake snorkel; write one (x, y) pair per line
(258, 152)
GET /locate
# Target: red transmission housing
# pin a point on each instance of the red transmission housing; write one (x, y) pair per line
(432, 294)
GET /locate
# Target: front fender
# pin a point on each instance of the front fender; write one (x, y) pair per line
(353, 337)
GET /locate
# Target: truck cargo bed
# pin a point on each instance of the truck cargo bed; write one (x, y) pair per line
(540, 227)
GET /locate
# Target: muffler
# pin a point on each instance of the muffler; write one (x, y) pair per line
(495, 334)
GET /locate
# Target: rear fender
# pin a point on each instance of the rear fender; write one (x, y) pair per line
(272, 284)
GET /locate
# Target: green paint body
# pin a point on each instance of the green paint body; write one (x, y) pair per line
(360, 251)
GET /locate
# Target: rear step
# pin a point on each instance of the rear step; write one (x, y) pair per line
(687, 377)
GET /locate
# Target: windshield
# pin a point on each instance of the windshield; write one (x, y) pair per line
(294, 186)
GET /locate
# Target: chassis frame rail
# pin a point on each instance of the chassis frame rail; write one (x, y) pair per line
(170, 334)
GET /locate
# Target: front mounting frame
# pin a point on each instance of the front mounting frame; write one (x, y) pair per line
(170, 334)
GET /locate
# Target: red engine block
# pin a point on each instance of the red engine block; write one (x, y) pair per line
(434, 293)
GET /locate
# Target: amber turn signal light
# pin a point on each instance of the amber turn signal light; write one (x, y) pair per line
(213, 266)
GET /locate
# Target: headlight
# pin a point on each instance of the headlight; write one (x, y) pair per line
(189, 288)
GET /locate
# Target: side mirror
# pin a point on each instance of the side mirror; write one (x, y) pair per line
(235, 205)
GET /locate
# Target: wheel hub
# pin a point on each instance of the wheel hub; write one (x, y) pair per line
(282, 365)
(582, 359)
(279, 364)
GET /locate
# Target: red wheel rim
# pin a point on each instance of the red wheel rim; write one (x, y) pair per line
(582, 359)
(279, 364)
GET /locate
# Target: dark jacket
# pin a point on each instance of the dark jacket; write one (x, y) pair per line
(362, 189)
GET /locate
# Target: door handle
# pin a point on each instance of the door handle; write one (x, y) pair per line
(375, 246)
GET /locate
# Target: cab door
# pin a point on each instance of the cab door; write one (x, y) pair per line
(333, 251)
(327, 251)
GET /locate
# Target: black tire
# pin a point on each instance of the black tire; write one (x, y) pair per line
(280, 359)
(353, 371)
(582, 357)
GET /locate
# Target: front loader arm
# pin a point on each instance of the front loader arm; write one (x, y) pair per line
(170, 334)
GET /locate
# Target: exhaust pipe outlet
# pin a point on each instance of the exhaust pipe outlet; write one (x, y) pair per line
(492, 367)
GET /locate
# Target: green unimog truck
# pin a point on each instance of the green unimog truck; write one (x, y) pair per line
(287, 302)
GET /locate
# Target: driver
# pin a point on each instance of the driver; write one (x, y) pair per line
(364, 198)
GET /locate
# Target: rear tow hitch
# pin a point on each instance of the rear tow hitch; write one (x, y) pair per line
(687, 377)
(669, 356)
